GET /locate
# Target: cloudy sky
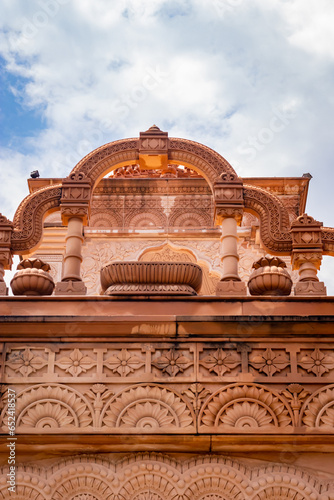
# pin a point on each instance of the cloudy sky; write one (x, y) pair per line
(252, 79)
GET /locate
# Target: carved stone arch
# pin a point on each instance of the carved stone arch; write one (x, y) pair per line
(106, 158)
(50, 406)
(274, 219)
(28, 219)
(150, 408)
(245, 408)
(145, 219)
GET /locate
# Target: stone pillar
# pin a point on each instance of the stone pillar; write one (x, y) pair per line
(228, 193)
(6, 229)
(307, 255)
(229, 246)
(73, 258)
(75, 212)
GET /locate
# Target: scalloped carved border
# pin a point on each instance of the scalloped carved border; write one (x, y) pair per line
(153, 475)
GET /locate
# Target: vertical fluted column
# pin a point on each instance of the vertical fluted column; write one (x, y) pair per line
(73, 257)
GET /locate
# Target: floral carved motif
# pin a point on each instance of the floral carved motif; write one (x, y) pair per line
(197, 394)
(26, 362)
(124, 363)
(318, 409)
(220, 361)
(172, 362)
(147, 407)
(245, 407)
(51, 406)
(75, 363)
(269, 361)
(296, 395)
(317, 362)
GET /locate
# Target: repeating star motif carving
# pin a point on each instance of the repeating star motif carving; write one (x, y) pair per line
(75, 363)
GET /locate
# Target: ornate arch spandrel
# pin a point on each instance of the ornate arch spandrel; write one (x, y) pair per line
(28, 219)
(274, 219)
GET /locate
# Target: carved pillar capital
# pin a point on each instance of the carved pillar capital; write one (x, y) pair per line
(75, 199)
(306, 234)
(228, 198)
(307, 255)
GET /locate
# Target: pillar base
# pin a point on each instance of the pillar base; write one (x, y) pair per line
(310, 288)
(230, 287)
(3, 288)
(70, 288)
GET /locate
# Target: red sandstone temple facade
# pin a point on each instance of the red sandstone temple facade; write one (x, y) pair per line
(168, 337)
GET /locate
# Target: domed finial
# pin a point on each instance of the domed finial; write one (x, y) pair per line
(153, 129)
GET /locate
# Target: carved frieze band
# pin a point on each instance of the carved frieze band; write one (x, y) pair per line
(149, 408)
(151, 476)
(218, 362)
(215, 388)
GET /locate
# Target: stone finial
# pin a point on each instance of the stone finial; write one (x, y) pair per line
(32, 278)
(270, 277)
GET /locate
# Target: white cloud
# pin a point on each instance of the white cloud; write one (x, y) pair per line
(222, 70)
